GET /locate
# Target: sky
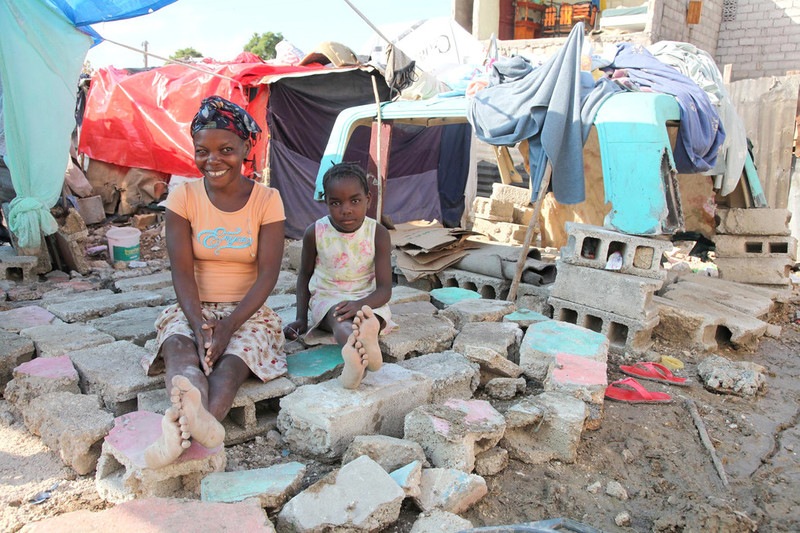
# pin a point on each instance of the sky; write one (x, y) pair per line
(220, 28)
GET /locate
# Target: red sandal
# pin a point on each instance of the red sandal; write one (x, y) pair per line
(654, 372)
(631, 391)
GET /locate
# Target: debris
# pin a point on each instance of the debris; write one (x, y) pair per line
(623, 519)
(615, 489)
(701, 428)
(742, 378)
(594, 487)
(41, 497)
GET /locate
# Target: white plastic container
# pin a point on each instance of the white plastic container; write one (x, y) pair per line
(123, 244)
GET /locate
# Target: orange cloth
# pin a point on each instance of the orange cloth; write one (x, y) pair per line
(225, 245)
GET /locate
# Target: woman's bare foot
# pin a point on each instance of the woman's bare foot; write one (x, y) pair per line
(167, 447)
(355, 361)
(195, 420)
(368, 327)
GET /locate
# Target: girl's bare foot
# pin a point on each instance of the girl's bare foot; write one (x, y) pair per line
(368, 327)
(167, 447)
(355, 361)
(195, 420)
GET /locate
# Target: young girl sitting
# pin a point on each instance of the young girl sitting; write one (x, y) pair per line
(345, 277)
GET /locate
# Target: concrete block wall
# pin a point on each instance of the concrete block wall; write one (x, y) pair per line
(763, 38)
(668, 23)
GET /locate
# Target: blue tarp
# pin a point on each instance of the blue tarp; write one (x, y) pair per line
(85, 12)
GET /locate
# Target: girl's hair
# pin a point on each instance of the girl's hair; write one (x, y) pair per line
(342, 171)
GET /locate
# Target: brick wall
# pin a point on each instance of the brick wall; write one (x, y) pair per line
(762, 39)
(668, 23)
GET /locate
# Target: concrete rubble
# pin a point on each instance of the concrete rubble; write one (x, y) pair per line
(41, 376)
(409, 478)
(449, 489)
(389, 452)
(270, 486)
(719, 374)
(441, 522)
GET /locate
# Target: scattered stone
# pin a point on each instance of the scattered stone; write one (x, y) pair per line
(389, 452)
(135, 325)
(449, 489)
(409, 478)
(271, 486)
(440, 522)
(54, 340)
(774, 331)
(454, 432)
(92, 305)
(72, 425)
(628, 456)
(447, 296)
(482, 310)
(41, 376)
(25, 317)
(742, 378)
(14, 350)
(594, 488)
(452, 374)
(623, 519)
(505, 388)
(615, 489)
(339, 501)
(416, 335)
(491, 462)
(493, 345)
(151, 282)
(26, 292)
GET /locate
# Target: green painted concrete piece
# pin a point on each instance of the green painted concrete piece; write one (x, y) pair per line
(237, 486)
(315, 361)
(450, 295)
(554, 337)
(525, 316)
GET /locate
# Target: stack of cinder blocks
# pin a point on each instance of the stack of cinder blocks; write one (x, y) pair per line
(505, 215)
(755, 245)
(617, 303)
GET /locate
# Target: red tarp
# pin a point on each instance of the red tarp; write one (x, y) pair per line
(142, 120)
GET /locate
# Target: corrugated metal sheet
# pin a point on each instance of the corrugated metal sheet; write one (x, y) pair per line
(768, 107)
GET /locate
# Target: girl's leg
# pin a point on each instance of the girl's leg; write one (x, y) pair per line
(223, 384)
(341, 330)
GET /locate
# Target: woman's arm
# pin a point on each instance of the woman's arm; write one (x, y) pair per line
(181, 259)
(308, 259)
(383, 278)
(270, 254)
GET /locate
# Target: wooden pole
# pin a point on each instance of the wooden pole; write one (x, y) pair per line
(533, 228)
(705, 439)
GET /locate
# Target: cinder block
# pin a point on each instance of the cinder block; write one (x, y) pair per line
(591, 246)
(416, 335)
(14, 350)
(756, 246)
(766, 271)
(511, 193)
(71, 424)
(625, 335)
(522, 215)
(454, 432)
(323, 419)
(271, 486)
(123, 475)
(25, 317)
(151, 282)
(582, 378)
(545, 428)
(452, 374)
(506, 232)
(761, 221)
(485, 286)
(544, 340)
(449, 489)
(687, 325)
(737, 296)
(389, 452)
(483, 310)
(493, 210)
(621, 294)
(41, 376)
(450, 294)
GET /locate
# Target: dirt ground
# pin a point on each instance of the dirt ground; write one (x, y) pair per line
(653, 451)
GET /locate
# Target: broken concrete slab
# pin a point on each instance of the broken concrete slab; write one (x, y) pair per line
(413, 308)
(389, 452)
(545, 427)
(339, 502)
(159, 280)
(493, 345)
(286, 284)
(41, 376)
(15, 320)
(544, 340)
(493, 210)
(314, 365)
(491, 462)
(449, 489)
(534, 297)
(766, 246)
(123, 475)
(486, 286)
(83, 307)
(603, 289)
(271, 486)
(157, 515)
(54, 340)
(687, 325)
(408, 478)
(453, 375)
(446, 296)
(483, 310)
(742, 378)
(739, 221)
(454, 432)
(743, 301)
(402, 294)
(416, 335)
(506, 232)
(323, 419)
(135, 325)
(583, 379)
(525, 317)
(293, 251)
(276, 302)
(168, 293)
(113, 371)
(511, 193)
(440, 522)
(72, 425)
(505, 388)
(14, 350)
(763, 271)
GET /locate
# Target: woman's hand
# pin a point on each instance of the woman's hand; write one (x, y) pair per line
(221, 332)
(293, 330)
(202, 335)
(346, 310)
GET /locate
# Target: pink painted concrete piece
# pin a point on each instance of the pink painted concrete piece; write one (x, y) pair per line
(25, 317)
(474, 410)
(157, 515)
(76, 285)
(579, 370)
(134, 432)
(48, 367)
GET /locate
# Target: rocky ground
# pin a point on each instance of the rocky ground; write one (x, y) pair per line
(653, 452)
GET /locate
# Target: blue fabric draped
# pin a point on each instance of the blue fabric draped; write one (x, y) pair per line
(85, 12)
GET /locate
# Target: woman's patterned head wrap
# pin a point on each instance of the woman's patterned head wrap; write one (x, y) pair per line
(217, 113)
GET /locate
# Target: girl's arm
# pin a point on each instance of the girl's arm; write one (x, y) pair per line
(181, 259)
(270, 253)
(308, 259)
(383, 279)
